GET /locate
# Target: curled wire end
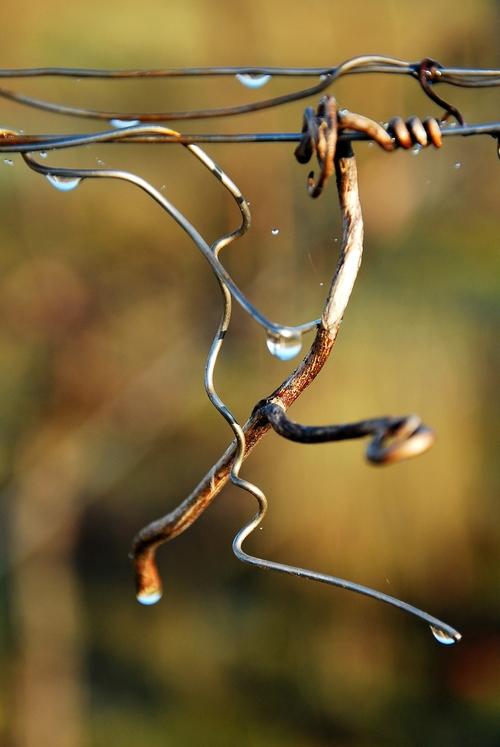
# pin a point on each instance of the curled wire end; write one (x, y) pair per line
(319, 136)
(415, 132)
(408, 439)
(148, 582)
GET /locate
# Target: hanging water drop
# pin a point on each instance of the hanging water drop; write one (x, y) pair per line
(275, 231)
(416, 149)
(43, 154)
(149, 598)
(63, 183)
(8, 162)
(253, 80)
(284, 348)
(442, 637)
(458, 165)
(121, 123)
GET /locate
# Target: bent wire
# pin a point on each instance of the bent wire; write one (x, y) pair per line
(276, 330)
(406, 429)
(327, 76)
(434, 73)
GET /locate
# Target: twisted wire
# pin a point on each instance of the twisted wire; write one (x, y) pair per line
(321, 129)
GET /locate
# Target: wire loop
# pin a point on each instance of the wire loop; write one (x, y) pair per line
(430, 71)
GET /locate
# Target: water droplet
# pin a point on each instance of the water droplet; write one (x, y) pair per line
(275, 231)
(252, 80)
(8, 162)
(63, 183)
(458, 165)
(336, 240)
(100, 162)
(120, 123)
(416, 149)
(321, 285)
(284, 348)
(442, 637)
(43, 154)
(149, 597)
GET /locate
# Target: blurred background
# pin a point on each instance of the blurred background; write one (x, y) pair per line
(107, 316)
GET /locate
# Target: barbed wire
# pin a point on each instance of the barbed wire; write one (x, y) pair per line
(327, 133)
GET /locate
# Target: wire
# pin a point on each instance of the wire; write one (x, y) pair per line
(327, 75)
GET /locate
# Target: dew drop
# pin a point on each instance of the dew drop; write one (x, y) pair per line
(458, 165)
(253, 81)
(43, 154)
(416, 149)
(275, 231)
(284, 348)
(8, 162)
(442, 637)
(149, 597)
(63, 183)
(121, 123)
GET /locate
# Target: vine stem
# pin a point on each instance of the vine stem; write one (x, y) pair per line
(155, 534)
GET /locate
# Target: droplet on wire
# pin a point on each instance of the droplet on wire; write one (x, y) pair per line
(416, 149)
(253, 80)
(442, 637)
(63, 183)
(8, 162)
(43, 154)
(284, 348)
(119, 124)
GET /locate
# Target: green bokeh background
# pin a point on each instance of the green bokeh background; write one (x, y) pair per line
(108, 313)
